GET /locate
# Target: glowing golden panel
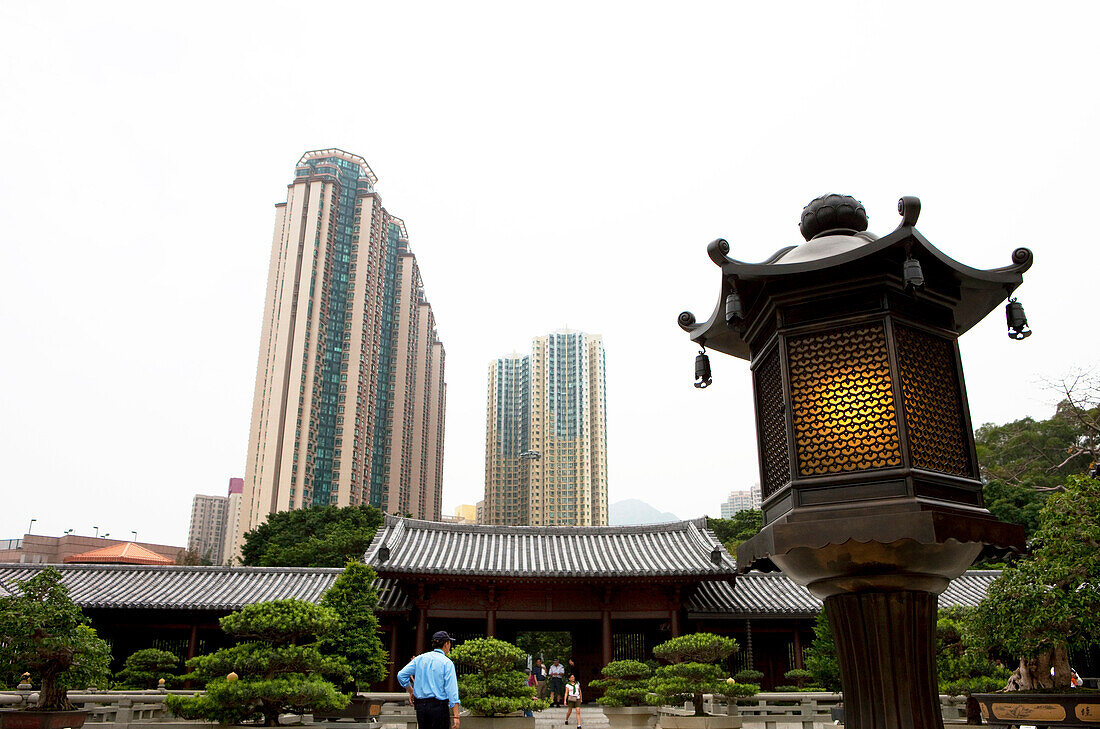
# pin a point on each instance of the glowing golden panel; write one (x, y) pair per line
(933, 406)
(842, 401)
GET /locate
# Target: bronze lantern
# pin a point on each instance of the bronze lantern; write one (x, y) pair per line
(871, 491)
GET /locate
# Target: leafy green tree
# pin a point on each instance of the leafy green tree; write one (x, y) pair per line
(497, 687)
(277, 668)
(1024, 460)
(741, 527)
(1045, 605)
(961, 666)
(42, 631)
(624, 683)
(320, 536)
(546, 644)
(693, 669)
(144, 669)
(355, 639)
(820, 657)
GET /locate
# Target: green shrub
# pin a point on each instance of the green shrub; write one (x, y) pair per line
(693, 670)
(798, 676)
(786, 688)
(749, 676)
(497, 687)
(144, 669)
(279, 667)
(624, 683)
(820, 657)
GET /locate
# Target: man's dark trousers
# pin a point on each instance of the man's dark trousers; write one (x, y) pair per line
(433, 714)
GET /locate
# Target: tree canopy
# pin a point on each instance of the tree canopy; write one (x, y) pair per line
(497, 687)
(742, 526)
(320, 536)
(43, 632)
(1022, 461)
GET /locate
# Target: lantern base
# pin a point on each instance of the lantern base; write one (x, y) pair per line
(885, 550)
(886, 645)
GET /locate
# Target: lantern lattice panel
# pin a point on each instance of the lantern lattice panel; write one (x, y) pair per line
(933, 408)
(842, 401)
(775, 461)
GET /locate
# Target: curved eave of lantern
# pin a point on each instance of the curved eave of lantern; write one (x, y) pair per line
(978, 291)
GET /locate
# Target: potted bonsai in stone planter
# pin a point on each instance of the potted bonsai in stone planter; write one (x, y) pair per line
(693, 669)
(625, 685)
(498, 690)
(43, 632)
(277, 668)
(1042, 608)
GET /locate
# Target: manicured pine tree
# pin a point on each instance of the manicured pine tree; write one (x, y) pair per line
(277, 668)
(355, 639)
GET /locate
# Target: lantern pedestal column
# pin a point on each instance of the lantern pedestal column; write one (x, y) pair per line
(886, 646)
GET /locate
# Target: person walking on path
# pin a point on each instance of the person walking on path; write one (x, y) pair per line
(557, 676)
(432, 684)
(573, 699)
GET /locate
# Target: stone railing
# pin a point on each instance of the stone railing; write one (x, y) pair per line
(810, 710)
(121, 708)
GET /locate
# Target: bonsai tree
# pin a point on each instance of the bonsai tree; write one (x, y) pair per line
(497, 687)
(693, 669)
(798, 678)
(355, 638)
(144, 669)
(624, 683)
(277, 668)
(1044, 606)
(42, 631)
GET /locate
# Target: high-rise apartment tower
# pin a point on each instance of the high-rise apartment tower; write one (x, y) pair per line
(546, 434)
(349, 399)
(741, 501)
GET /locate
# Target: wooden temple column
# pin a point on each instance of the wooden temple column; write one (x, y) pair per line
(605, 626)
(193, 642)
(391, 678)
(797, 649)
(421, 620)
(491, 614)
(674, 614)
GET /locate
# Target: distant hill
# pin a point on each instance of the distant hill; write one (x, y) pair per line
(636, 511)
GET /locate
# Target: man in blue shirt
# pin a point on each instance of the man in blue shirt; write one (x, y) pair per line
(432, 684)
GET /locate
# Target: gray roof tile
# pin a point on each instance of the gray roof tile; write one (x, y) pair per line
(679, 549)
(772, 594)
(192, 588)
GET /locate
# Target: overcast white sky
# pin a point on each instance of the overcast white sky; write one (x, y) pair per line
(557, 164)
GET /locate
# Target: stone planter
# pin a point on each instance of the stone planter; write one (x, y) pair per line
(1074, 709)
(508, 721)
(359, 708)
(630, 717)
(21, 719)
(710, 721)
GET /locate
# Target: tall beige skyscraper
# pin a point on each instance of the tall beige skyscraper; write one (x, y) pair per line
(350, 396)
(546, 434)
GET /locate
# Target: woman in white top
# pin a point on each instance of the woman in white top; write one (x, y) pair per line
(573, 699)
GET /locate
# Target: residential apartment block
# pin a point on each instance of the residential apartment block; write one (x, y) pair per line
(741, 501)
(546, 434)
(350, 394)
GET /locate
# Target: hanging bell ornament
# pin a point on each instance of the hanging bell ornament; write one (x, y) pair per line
(914, 276)
(702, 369)
(1017, 320)
(734, 312)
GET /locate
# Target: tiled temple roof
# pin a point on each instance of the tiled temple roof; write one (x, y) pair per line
(771, 594)
(683, 550)
(191, 588)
